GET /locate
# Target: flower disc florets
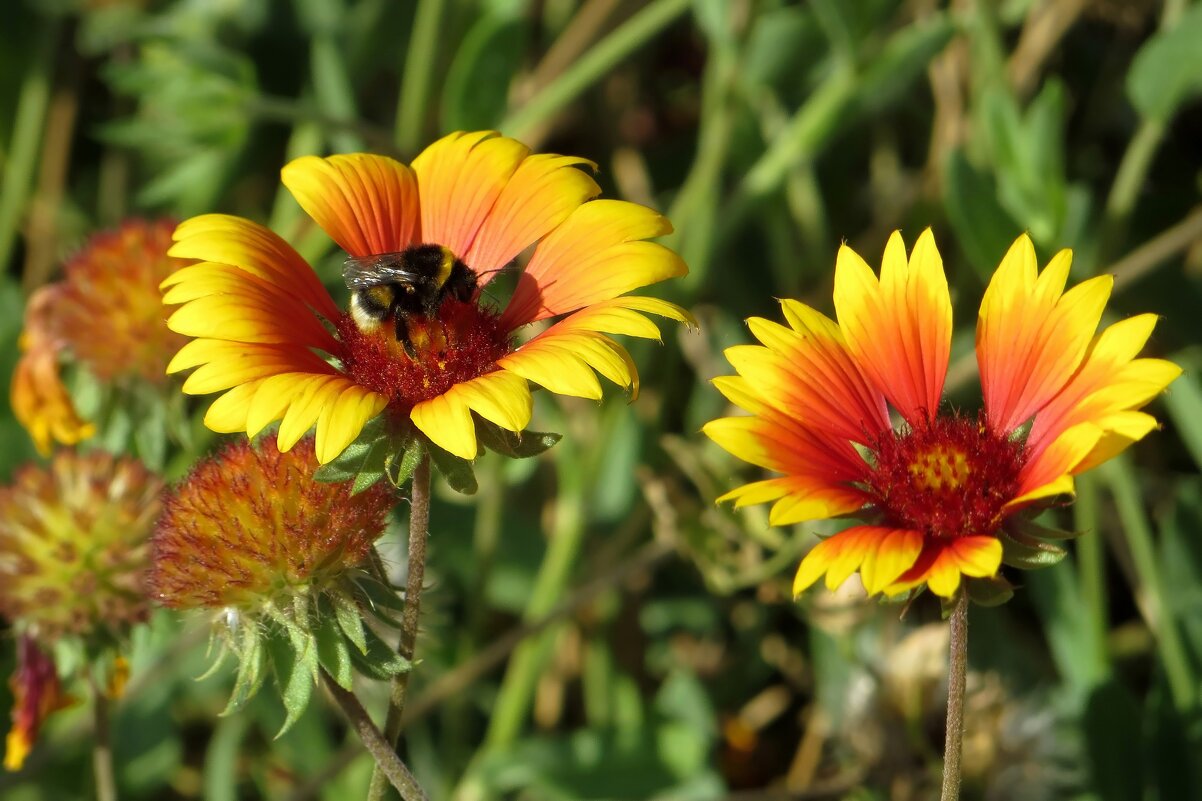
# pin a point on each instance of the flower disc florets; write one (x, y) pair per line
(108, 310)
(73, 545)
(946, 476)
(462, 342)
(250, 529)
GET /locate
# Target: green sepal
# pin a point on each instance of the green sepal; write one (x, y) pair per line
(349, 618)
(296, 673)
(380, 661)
(459, 474)
(993, 591)
(399, 469)
(333, 651)
(1028, 553)
(377, 597)
(252, 664)
(1029, 528)
(519, 445)
(364, 461)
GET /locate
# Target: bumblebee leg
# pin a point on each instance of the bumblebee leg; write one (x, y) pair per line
(402, 336)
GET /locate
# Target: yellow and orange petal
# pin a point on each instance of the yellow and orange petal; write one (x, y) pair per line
(1058, 399)
(250, 527)
(37, 693)
(261, 321)
(41, 404)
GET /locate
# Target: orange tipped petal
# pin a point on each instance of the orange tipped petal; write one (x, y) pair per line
(250, 247)
(880, 553)
(898, 329)
(943, 561)
(460, 178)
(540, 195)
(595, 255)
(1031, 334)
(367, 204)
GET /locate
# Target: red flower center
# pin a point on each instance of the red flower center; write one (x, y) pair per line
(463, 341)
(946, 477)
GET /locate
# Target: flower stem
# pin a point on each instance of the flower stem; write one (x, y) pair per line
(957, 672)
(102, 749)
(388, 764)
(419, 532)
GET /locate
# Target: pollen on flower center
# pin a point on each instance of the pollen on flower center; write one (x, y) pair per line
(947, 477)
(463, 341)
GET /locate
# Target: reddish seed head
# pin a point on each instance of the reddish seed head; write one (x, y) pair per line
(948, 477)
(250, 526)
(464, 342)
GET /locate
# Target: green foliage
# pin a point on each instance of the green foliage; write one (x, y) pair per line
(768, 132)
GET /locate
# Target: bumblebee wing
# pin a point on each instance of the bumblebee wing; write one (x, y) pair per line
(383, 268)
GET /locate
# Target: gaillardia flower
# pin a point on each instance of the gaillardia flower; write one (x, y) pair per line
(249, 528)
(107, 316)
(269, 336)
(74, 545)
(941, 494)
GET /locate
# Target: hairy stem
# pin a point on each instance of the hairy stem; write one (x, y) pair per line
(957, 672)
(419, 532)
(388, 764)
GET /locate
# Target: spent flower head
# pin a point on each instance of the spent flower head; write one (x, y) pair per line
(944, 495)
(286, 562)
(106, 316)
(423, 241)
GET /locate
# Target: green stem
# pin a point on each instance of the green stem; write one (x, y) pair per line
(1154, 606)
(1128, 180)
(28, 124)
(957, 675)
(102, 748)
(594, 65)
(421, 64)
(388, 764)
(521, 678)
(334, 90)
(419, 532)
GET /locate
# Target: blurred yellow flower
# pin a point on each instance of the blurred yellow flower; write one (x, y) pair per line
(105, 315)
(940, 493)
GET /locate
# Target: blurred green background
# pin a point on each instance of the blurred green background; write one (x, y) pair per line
(596, 628)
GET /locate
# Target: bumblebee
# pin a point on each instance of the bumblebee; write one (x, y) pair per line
(399, 286)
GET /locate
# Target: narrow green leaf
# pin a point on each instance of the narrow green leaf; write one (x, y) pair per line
(1029, 528)
(519, 445)
(251, 670)
(989, 591)
(295, 674)
(458, 472)
(381, 661)
(1027, 553)
(333, 652)
(346, 611)
(400, 470)
(377, 596)
(1167, 70)
(363, 461)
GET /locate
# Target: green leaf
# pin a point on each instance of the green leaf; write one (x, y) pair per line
(476, 91)
(989, 591)
(376, 597)
(380, 661)
(458, 472)
(522, 445)
(1167, 70)
(984, 229)
(364, 460)
(1027, 553)
(332, 650)
(252, 660)
(400, 470)
(296, 670)
(902, 61)
(346, 612)
(1029, 528)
